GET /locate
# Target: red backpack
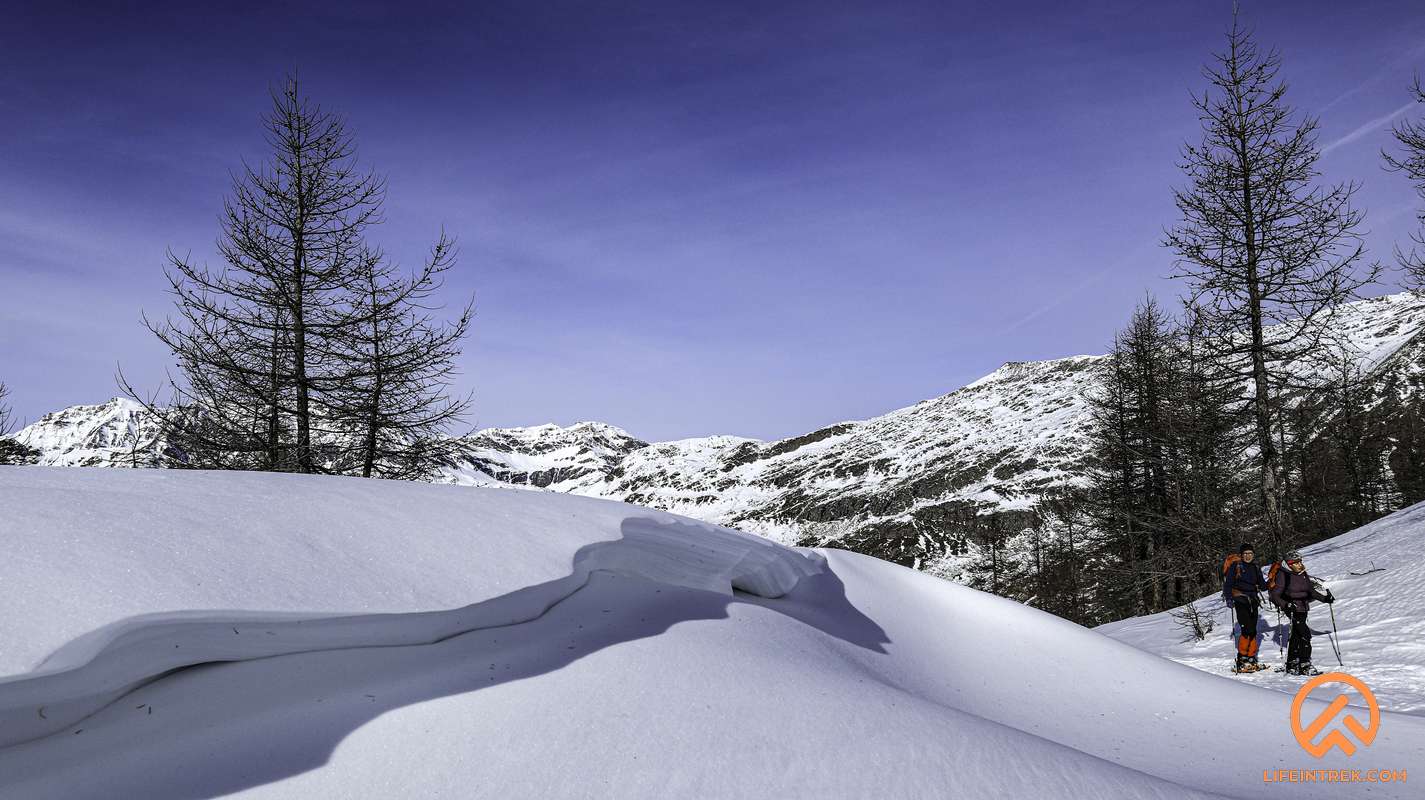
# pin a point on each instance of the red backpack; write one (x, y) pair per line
(1274, 572)
(1235, 558)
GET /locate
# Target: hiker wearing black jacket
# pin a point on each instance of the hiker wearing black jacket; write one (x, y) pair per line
(1244, 585)
(1293, 593)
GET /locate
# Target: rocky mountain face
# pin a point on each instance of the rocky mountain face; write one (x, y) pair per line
(544, 456)
(892, 485)
(898, 486)
(119, 433)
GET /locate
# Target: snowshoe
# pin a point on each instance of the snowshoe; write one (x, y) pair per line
(1307, 670)
(1259, 667)
(1290, 669)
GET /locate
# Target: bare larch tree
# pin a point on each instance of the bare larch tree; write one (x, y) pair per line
(397, 363)
(254, 337)
(7, 418)
(1267, 253)
(11, 451)
(1410, 135)
(307, 349)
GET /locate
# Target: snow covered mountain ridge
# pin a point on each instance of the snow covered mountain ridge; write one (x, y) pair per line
(890, 486)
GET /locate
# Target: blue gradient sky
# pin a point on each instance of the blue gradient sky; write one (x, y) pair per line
(683, 220)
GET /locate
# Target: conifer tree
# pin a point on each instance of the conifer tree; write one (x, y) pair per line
(398, 361)
(1268, 253)
(303, 350)
(12, 451)
(1410, 161)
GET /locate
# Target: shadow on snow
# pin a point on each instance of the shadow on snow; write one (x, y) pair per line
(272, 718)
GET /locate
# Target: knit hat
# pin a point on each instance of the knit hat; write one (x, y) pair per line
(1292, 555)
(1245, 547)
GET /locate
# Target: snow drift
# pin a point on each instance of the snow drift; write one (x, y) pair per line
(349, 638)
(112, 659)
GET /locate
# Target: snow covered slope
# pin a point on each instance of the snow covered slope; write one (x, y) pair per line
(897, 486)
(394, 639)
(1377, 572)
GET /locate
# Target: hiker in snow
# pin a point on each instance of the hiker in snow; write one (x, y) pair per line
(1243, 584)
(1293, 594)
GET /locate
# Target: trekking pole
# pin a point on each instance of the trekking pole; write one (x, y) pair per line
(1258, 612)
(1281, 651)
(1281, 639)
(1334, 646)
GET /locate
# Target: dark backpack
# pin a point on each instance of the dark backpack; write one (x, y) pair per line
(1274, 573)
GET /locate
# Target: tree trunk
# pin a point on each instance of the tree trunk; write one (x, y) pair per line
(299, 370)
(373, 417)
(299, 324)
(274, 390)
(1269, 457)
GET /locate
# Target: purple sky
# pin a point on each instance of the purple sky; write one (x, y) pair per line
(682, 221)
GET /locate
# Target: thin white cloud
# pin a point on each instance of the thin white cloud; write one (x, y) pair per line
(1063, 298)
(1366, 128)
(1139, 252)
(1393, 68)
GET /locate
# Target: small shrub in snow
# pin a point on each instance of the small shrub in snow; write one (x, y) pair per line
(1197, 624)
